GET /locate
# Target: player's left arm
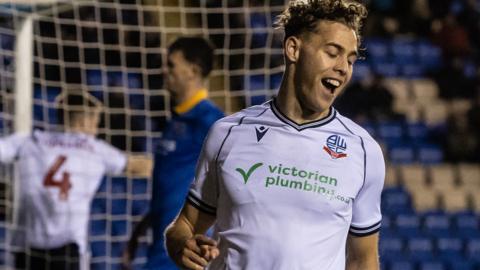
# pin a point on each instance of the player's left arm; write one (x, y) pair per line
(362, 252)
(139, 166)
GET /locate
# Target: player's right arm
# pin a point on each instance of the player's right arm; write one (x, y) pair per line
(186, 242)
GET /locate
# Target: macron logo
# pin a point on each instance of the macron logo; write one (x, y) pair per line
(261, 131)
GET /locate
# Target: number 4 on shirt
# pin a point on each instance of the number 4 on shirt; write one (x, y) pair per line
(64, 184)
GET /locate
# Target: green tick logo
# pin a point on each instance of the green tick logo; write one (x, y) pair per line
(250, 171)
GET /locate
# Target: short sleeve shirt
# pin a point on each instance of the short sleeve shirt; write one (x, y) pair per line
(286, 196)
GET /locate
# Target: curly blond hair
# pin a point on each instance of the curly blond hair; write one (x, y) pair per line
(303, 15)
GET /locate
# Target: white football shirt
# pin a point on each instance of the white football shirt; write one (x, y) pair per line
(59, 174)
(285, 195)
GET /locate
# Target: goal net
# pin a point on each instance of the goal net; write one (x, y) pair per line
(115, 50)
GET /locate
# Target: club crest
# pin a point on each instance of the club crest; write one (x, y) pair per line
(336, 146)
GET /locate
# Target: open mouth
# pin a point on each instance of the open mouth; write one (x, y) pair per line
(331, 84)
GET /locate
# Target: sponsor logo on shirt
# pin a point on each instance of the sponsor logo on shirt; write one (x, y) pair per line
(294, 178)
(336, 146)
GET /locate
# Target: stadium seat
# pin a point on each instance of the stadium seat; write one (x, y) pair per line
(390, 132)
(99, 206)
(404, 51)
(413, 176)
(469, 175)
(401, 154)
(425, 91)
(475, 196)
(435, 113)
(432, 265)
(98, 248)
(399, 88)
(395, 201)
(461, 264)
(391, 177)
(391, 248)
(417, 131)
(412, 71)
(442, 177)
(450, 248)
(98, 227)
(377, 49)
(436, 225)
(424, 199)
(119, 228)
(401, 265)
(420, 248)
(429, 55)
(119, 207)
(455, 200)
(466, 225)
(472, 249)
(428, 153)
(387, 69)
(140, 207)
(408, 225)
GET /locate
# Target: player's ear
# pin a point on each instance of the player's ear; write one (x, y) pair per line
(292, 48)
(196, 70)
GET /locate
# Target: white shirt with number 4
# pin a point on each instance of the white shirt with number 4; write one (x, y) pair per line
(59, 174)
(286, 196)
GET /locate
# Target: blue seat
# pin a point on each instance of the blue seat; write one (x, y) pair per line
(466, 225)
(118, 185)
(473, 249)
(140, 207)
(429, 55)
(98, 248)
(386, 69)
(119, 228)
(420, 248)
(119, 207)
(417, 131)
(378, 50)
(401, 265)
(139, 186)
(98, 227)
(450, 247)
(99, 206)
(430, 154)
(362, 70)
(390, 132)
(404, 51)
(402, 154)
(436, 225)
(396, 201)
(432, 265)
(412, 71)
(100, 266)
(408, 225)
(391, 247)
(461, 264)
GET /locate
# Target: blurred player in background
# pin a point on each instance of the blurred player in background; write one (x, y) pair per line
(290, 184)
(190, 60)
(59, 173)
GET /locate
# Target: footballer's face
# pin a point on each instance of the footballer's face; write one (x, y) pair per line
(324, 64)
(179, 72)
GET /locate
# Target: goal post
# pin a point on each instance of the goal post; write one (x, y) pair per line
(116, 50)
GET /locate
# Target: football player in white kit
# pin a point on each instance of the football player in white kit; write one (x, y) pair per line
(290, 184)
(59, 173)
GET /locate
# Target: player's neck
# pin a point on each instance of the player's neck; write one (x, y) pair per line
(189, 92)
(291, 106)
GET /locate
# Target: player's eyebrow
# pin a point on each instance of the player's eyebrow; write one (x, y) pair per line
(342, 49)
